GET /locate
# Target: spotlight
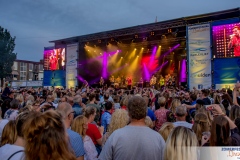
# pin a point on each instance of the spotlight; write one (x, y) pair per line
(142, 48)
(100, 53)
(135, 49)
(121, 57)
(88, 50)
(95, 51)
(160, 46)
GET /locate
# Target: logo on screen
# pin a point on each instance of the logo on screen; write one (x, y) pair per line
(200, 49)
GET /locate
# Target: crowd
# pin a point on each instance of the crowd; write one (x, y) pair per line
(95, 123)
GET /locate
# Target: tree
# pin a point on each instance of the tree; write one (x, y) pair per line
(7, 57)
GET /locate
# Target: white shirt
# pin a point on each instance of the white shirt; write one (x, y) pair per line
(8, 149)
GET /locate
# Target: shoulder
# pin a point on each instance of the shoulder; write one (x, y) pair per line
(73, 135)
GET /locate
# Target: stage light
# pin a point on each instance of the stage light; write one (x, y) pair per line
(142, 48)
(121, 57)
(160, 46)
(135, 49)
(95, 51)
(88, 50)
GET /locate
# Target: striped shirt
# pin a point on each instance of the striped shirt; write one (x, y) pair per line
(76, 143)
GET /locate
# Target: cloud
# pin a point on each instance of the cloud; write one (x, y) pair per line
(35, 23)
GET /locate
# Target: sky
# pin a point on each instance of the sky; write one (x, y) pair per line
(36, 22)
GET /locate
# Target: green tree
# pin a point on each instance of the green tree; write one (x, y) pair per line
(7, 57)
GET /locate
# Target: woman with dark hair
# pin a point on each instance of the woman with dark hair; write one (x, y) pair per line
(223, 130)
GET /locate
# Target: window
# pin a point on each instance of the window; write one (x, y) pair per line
(15, 66)
(30, 75)
(23, 71)
(30, 66)
(40, 67)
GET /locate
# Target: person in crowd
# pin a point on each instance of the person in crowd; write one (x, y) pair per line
(119, 120)
(84, 98)
(6, 103)
(234, 112)
(165, 130)
(12, 141)
(12, 112)
(131, 142)
(223, 130)
(77, 101)
(3, 122)
(36, 106)
(200, 125)
(161, 113)
(174, 104)
(186, 99)
(181, 113)
(20, 98)
(92, 99)
(76, 141)
(116, 100)
(181, 145)
(6, 91)
(80, 126)
(150, 113)
(106, 116)
(51, 141)
(149, 122)
(93, 131)
(204, 97)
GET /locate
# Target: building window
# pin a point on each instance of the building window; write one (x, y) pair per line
(30, 66)
(30, 75)
(23, 71)
(40, 67)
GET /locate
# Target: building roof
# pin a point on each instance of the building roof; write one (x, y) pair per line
(26, 61)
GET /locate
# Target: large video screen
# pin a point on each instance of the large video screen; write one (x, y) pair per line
(226, 40)
(54, 59)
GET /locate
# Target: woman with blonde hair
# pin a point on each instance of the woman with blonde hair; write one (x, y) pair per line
(80, 126)
(119, 119)
(165, 130)
(20, 98)
(200, 125)
(45, 137)
(174, 104)
(181, 145)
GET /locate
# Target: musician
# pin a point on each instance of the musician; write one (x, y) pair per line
(112, 80)
(129, 83)
(235, 41)
(153, 81)
(117, 82)
(161, 81)
(101, 82)
(141, 82)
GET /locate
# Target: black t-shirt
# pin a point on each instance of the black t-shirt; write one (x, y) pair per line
(206, 101)
(186, 102)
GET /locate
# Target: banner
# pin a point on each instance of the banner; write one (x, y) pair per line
(71, 65)
(199, 56)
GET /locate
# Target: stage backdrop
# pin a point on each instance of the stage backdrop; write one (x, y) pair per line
(199, 56)
(71, 65)
(226, 72)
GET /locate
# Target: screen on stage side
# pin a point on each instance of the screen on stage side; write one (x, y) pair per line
(226, 40)
(54, 59)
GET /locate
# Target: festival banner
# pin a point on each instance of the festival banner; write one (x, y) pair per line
(199, 56)
(71, 65)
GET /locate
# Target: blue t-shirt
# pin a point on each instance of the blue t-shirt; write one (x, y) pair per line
(105, 121)
(193, 109)
(151, 114)
(76, 143)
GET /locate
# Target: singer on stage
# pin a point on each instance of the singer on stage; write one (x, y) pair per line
(235, 41)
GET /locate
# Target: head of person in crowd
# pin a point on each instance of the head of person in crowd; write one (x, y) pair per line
(217, 98)
(79, 125)
(149, 122)
(220, 132)
(234, 112)
(165, 130)
(162, 102)
(9, 134)
(50, 131)
(92, 98)
(200, 125)
(106, 97)
(181, 113)
(64, 99)
(186, 96)
(174, 104)
(119, 119)
(90, 113)
(181, 145)
(70, 101)
(67, 113)
(20, 98)
(36, 106)
(12, 113)
(137, 109)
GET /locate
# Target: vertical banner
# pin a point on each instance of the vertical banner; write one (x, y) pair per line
(199, 56)
(71, 65)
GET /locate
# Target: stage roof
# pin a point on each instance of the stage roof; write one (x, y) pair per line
(157, 26)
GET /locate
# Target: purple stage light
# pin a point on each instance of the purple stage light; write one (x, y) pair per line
(146, 72)
(104, 65)
(153, 54)
(183, 69)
